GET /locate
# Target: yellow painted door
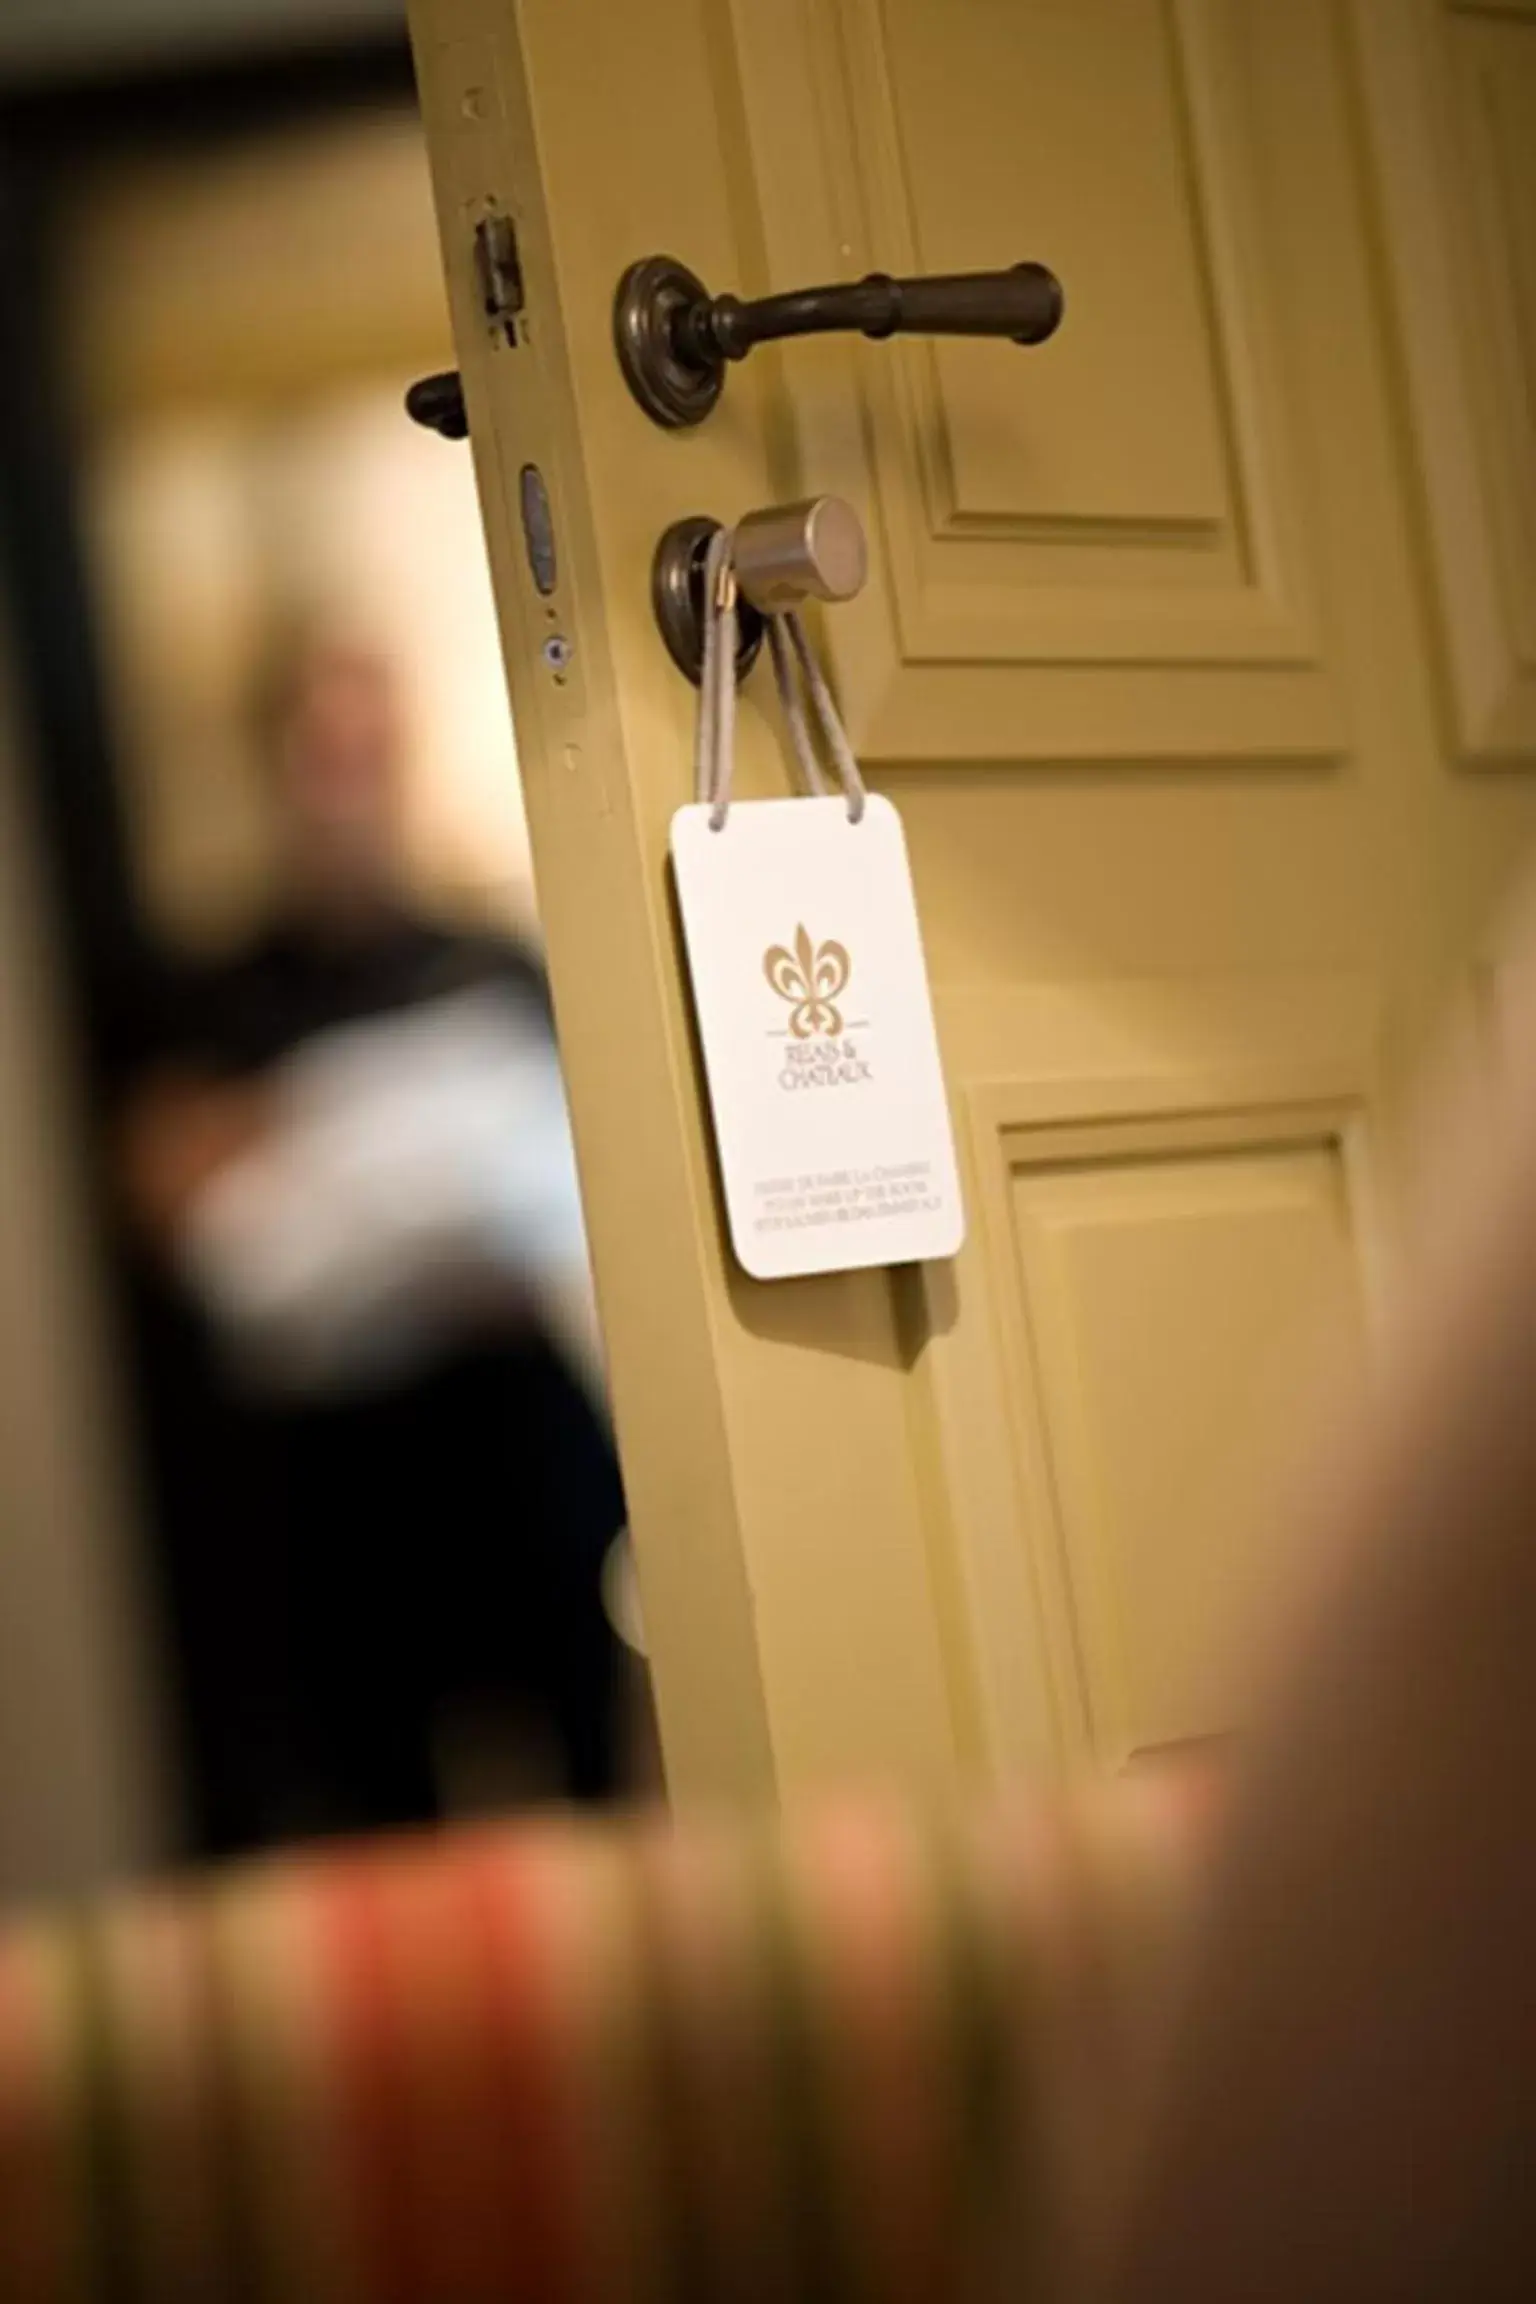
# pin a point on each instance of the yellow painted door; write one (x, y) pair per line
(1199, 655)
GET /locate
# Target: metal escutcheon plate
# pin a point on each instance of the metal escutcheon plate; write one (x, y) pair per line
(677, 598)
(649, 297)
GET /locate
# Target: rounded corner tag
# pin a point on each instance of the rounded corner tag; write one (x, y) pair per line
(816, 1024)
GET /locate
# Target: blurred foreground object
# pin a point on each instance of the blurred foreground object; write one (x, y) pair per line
(856, 2058)
(347, 1156)
(1345, 2105)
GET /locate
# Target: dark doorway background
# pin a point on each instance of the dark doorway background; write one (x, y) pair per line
(101, 935)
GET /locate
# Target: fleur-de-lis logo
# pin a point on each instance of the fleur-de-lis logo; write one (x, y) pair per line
(810, 978)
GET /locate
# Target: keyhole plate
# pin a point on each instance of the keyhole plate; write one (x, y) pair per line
(677, 599)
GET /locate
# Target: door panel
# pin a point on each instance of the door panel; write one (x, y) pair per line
(1093, 551)
(1158, 1256)
(1144, 663)
(1163, 1295)
(1451, 104)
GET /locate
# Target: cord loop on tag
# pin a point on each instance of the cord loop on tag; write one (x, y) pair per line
(714, 748)
(827, 713)
(791, 651)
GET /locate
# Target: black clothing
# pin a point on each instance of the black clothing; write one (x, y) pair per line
(340, 1570)
(236, 1017)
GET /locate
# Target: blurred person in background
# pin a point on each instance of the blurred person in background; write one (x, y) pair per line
(347, 1163)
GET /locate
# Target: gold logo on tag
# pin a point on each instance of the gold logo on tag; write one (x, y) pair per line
(810, 978)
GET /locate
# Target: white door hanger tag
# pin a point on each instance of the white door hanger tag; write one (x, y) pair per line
(816, 1023)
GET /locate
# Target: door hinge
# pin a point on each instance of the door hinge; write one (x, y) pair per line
(499, 270)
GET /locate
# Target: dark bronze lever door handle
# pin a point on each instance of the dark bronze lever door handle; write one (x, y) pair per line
(438, 403)
(674, 339)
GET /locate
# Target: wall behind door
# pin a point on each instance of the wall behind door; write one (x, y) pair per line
(84, 1788)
